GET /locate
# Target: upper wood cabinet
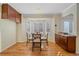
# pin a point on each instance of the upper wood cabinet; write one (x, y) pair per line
(10, 13)
(18, 17)
(4, 11)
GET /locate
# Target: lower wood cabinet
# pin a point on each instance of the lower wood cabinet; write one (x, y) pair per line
(67, 42)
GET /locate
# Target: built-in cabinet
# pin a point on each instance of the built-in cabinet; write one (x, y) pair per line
(18, 17)
(67, 42)
(9, 12)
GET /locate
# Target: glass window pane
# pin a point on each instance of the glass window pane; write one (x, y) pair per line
(66, 27)
(27, 27)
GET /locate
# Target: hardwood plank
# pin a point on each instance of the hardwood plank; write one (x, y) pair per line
(21, 49)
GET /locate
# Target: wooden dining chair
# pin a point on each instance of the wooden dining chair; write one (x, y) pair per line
(44, 38)
(29, 37)
(36, 41)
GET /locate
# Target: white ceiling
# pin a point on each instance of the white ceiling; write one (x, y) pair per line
(40, 8)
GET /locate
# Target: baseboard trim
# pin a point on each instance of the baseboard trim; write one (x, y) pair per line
(7, 47)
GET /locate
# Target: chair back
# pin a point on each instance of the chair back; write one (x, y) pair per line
(47, 35)
(29, 35)
(36, 36)
(44, 35)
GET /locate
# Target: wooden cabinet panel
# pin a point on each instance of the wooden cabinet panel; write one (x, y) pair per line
(18, 17)
(71, 43)
(4, 11)
(10, 13)
(66, 42)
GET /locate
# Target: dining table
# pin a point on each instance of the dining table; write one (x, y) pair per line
(36, 41)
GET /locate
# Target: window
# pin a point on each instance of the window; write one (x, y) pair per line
(48, 27)
(66, 26)
(38, 26)
(27, 26)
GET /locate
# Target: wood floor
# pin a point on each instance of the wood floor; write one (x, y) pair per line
(21, 49)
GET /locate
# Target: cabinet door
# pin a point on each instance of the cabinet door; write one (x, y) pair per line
(11, 13)
(4, 11)
(72, 44)
(64, 40)
(18, 17)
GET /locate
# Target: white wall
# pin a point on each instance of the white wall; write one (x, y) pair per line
(8, 33)
(21, 33)
(0, 11)
(58, 20)
(53, 30)
(77, 40)
(0, 32)
(0, 41)
(78, 18)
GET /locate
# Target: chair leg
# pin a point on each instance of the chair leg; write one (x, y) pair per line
(47, 42)
(27, 42)
(40, 46)
(32, 46)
